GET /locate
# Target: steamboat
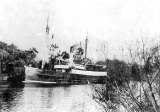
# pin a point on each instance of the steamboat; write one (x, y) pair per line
(66, 71)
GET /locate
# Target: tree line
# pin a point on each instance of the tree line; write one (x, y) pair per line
(133, 85)
(11, 56)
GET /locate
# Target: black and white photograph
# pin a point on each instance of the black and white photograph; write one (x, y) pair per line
(79, 55)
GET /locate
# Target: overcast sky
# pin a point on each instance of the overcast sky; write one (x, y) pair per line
(23, 22)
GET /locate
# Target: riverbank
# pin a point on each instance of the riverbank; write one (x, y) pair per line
(3, 80)
(4, 84)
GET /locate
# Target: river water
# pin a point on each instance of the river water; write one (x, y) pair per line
(40, 98)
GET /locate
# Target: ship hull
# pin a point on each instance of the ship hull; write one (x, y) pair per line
(36, 75)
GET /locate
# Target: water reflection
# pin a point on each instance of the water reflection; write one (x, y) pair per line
(46, 97)
(10, 96)
(36, 98)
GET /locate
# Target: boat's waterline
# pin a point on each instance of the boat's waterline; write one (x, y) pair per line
(39, 82)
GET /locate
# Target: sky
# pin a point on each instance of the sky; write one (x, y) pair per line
(115, 22)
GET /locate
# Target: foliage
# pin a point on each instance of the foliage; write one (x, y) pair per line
(65, 55)
(133, 85)
(135, 72)
(80, 51)
(10, 54)
(101, 63)
(118, 71)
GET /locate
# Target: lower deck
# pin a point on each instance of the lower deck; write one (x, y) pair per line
(62, 77)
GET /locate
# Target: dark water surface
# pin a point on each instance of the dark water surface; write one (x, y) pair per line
(40, 98)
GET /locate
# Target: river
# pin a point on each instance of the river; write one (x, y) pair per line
(40, 98)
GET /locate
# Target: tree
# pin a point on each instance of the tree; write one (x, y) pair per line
(65, 55)
(102, 51)
(30, 54)
(133, 85)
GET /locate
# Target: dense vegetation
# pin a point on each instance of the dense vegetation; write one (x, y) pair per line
(11, 56)
(134, 86)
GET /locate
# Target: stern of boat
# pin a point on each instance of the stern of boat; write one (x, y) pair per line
(31, 73)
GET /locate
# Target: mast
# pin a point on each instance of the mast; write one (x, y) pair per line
(47, 42)
(47, 31)
(86, 46)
